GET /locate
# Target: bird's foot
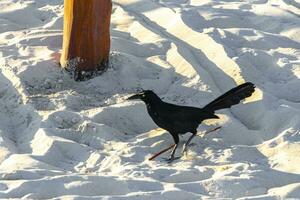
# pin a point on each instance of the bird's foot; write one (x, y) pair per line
(171, 159)
(185, 150)
(184, 153)
(192, 144)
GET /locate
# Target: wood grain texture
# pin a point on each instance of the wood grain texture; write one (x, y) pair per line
(86, 34)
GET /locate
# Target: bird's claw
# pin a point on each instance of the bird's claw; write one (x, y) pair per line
(185, 150)
(171, 159)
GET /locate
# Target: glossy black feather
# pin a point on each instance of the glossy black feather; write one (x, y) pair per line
(182, 119)
(232, 97)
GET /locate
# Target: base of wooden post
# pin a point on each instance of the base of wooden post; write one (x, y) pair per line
(86, 37)
(81, 75)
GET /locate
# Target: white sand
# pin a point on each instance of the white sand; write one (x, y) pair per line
(82, 140)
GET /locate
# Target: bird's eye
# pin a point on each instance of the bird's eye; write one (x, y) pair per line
(143, 95)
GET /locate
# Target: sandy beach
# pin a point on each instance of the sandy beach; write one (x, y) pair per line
(61, 139)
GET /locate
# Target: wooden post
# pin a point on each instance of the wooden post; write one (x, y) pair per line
(86, 36)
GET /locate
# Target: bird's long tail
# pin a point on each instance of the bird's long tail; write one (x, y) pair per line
(232, 97)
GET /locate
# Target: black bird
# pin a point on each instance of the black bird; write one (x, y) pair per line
(182, 119)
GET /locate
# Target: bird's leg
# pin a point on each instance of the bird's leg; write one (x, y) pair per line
(188, 142)
(172, 156)
(195, 134)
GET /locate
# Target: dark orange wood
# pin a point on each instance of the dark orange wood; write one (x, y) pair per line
(86, 35)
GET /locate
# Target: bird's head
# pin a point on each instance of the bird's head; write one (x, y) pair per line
(145, 95)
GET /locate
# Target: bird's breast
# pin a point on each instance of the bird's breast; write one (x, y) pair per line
(154, 115)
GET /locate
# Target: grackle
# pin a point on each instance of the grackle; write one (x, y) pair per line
(182, 119)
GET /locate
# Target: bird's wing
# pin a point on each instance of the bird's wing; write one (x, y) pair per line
(183, 113)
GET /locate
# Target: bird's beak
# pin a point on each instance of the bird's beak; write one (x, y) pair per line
(136, 96)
